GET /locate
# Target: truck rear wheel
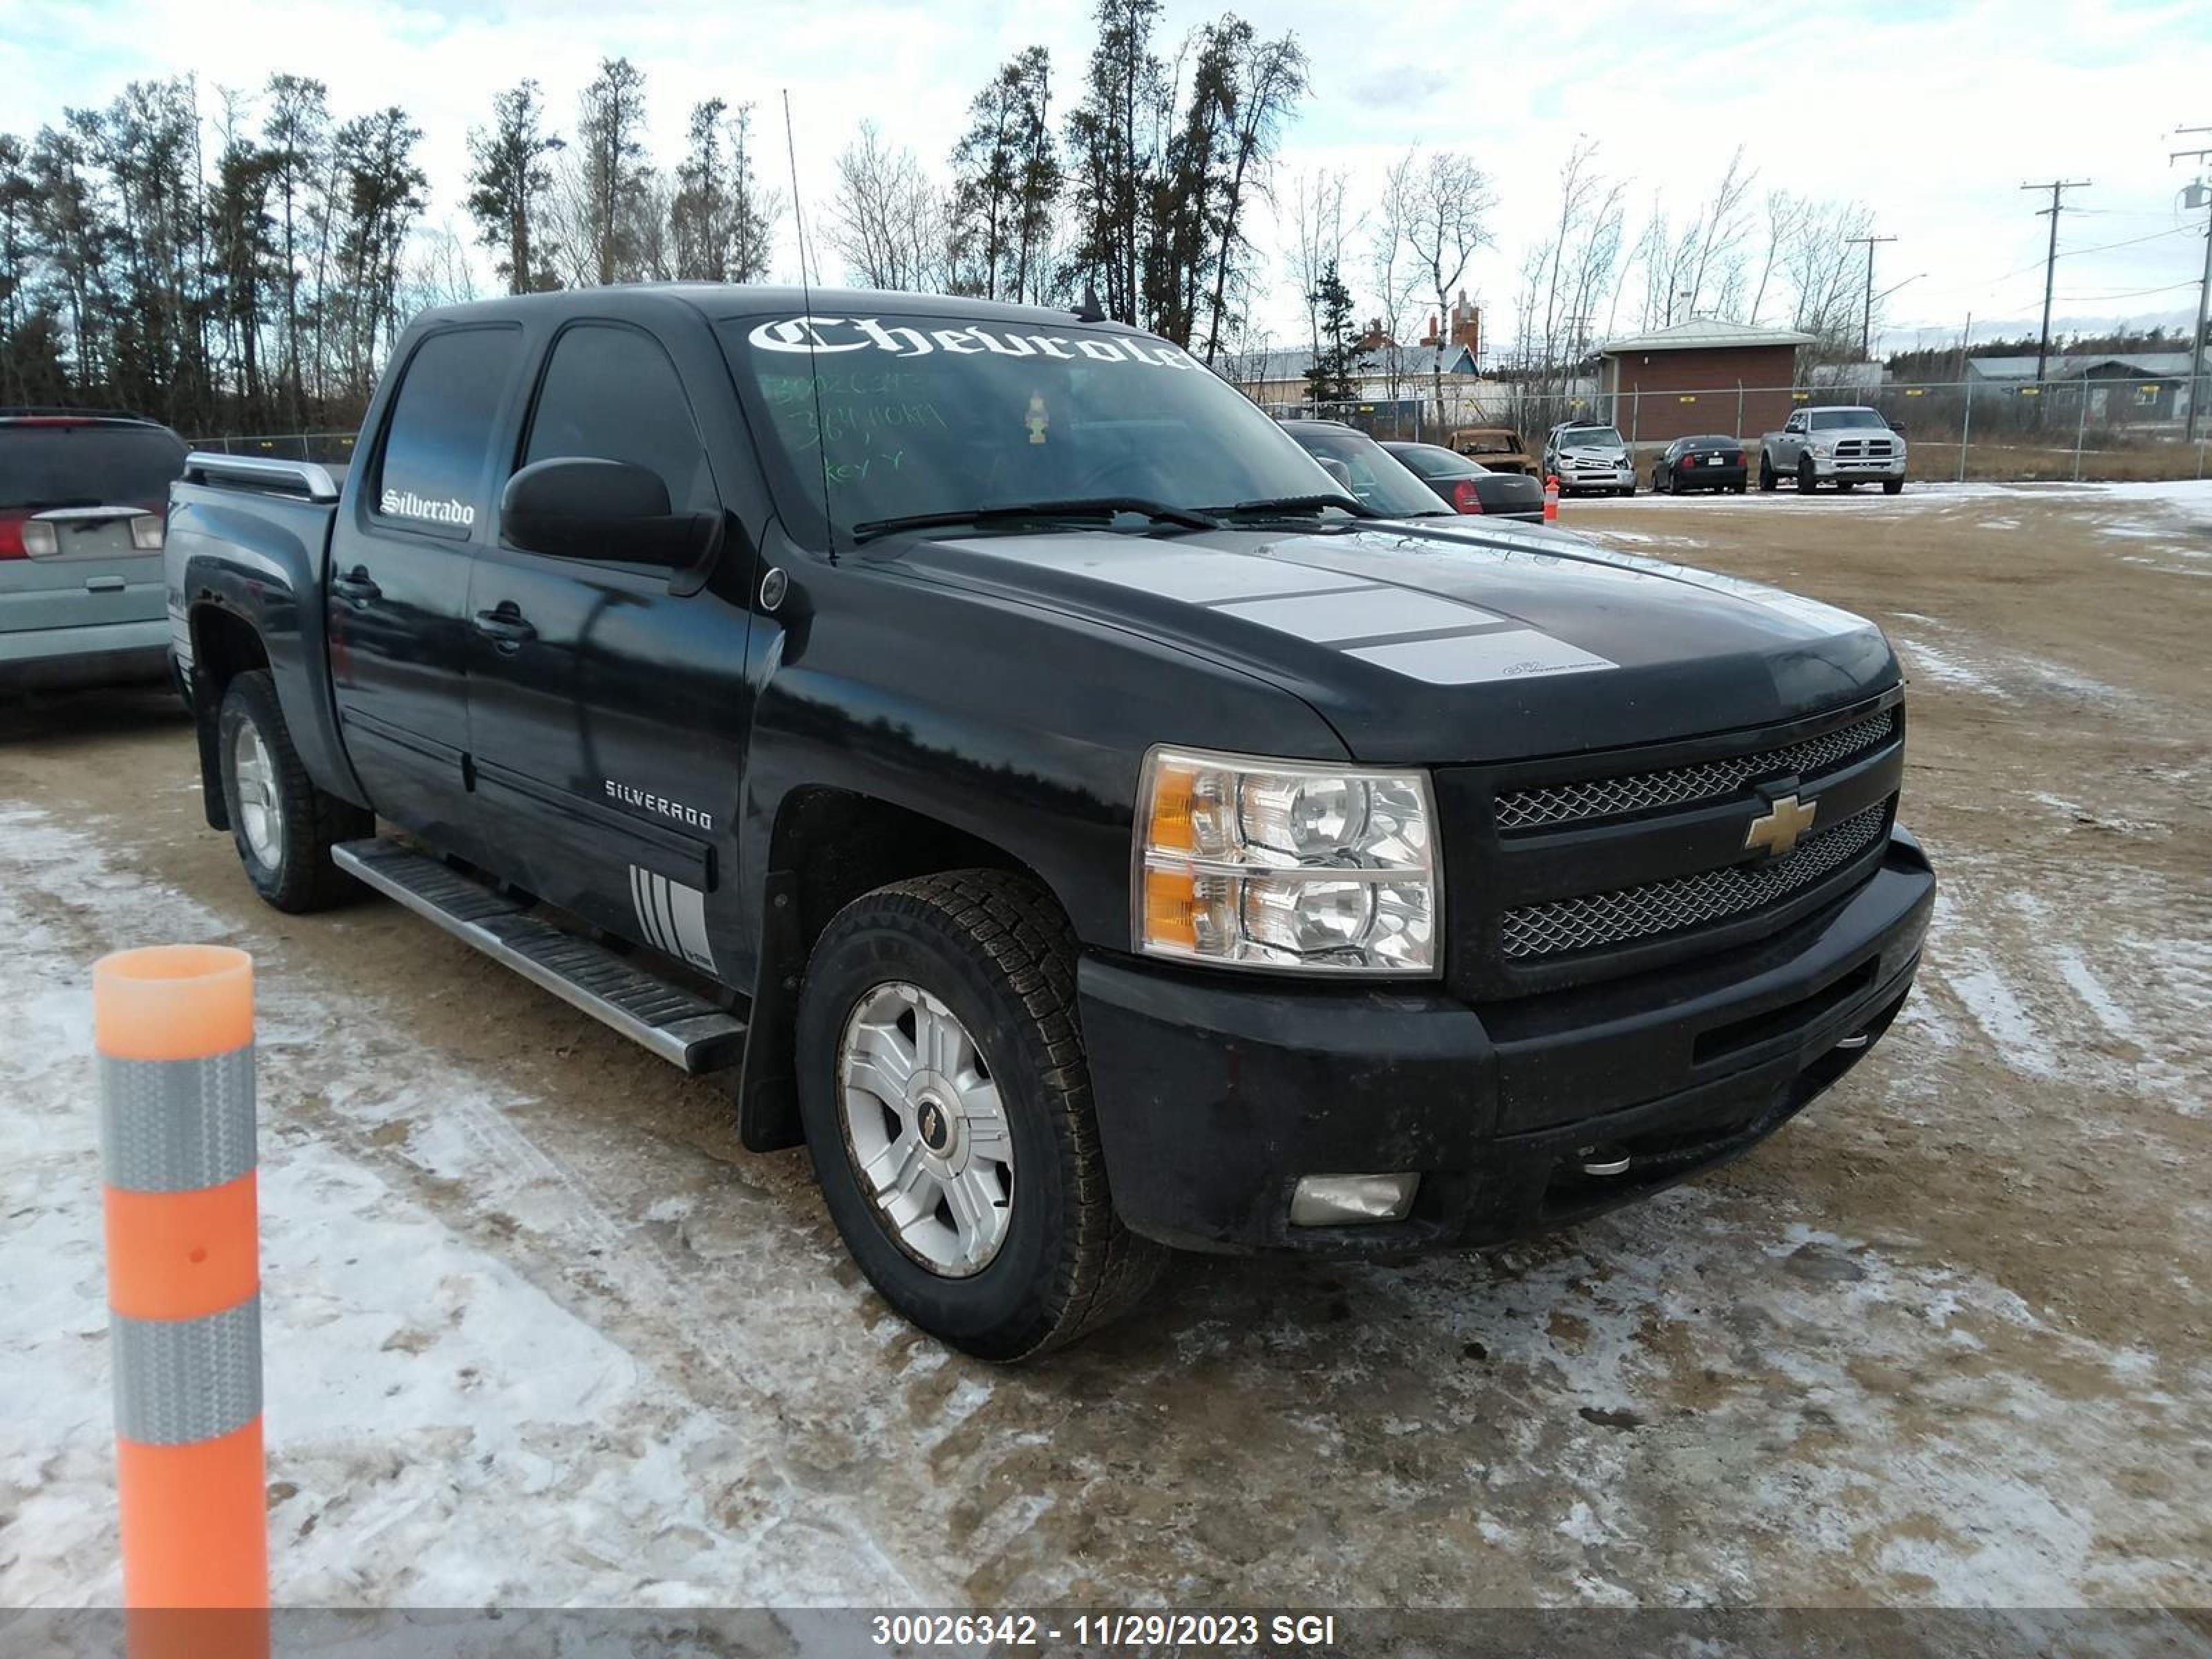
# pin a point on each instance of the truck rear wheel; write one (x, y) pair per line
(947, 1099)
(284, 826)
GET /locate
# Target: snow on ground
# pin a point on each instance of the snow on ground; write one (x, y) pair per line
(517, 1448)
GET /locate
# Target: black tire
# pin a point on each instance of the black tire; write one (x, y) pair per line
(1845, 486)
(997, 951)
(1736, 489)
(1768, 477)
(1627, 491)
(1807, 480)
(297, 874)
(1892, 486)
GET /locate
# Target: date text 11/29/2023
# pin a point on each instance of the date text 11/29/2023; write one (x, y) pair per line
(1237, 1633)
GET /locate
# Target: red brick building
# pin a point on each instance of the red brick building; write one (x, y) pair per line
(1697, 377)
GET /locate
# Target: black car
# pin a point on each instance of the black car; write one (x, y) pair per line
(1466, 486)
(1713, 462)
(1366, 469)
(1075, 815)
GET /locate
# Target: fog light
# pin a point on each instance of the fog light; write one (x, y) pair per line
(1336, 1200)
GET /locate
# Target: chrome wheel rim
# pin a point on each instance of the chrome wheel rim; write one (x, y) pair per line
(260, 814)
(925, 1129)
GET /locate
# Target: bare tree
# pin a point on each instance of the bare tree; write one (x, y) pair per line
(1443, 207)
(1396, 274)
(887, 221)
(1318, 232)
(1561, 280)
(1782, 211)
(1717, 239)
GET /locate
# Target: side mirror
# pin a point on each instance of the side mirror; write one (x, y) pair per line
(1339, 473)
(573, 508)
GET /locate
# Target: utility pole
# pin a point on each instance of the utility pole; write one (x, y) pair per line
(2057, 187)
(2196, 387)
(1866, 321)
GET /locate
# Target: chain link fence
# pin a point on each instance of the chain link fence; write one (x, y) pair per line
(2092, 426)
(329, 448)
(2095, 427)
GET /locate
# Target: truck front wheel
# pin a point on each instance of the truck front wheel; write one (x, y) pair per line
(1807, 480)
(947, 1099)
(1767, 479)
(284, 827)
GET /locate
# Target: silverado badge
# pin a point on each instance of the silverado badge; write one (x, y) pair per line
(1775, 831)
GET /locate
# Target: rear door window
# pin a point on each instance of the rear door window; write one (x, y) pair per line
(439, 439)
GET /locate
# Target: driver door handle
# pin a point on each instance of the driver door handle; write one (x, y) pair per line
(504, 626)
(355, 586)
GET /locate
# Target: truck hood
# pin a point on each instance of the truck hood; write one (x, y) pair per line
(1429, 644)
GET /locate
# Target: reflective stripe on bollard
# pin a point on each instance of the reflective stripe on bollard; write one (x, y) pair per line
(174, 1025)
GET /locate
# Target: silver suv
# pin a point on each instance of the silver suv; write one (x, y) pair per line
(1583, 456)
(83, 500)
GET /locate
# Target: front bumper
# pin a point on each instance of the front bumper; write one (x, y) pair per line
(1589, 475)
(102, 654)
(1215, 1095)
(1853, 466)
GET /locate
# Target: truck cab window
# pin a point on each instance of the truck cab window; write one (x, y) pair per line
(431, 475)
(610, 394)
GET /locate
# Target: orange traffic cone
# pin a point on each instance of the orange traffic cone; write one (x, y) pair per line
(1552, 498)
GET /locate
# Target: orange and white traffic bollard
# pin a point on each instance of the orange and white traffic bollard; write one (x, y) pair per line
(174, 1025)
(1552, 498)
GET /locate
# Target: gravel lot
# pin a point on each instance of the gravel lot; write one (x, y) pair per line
(1943, 1341)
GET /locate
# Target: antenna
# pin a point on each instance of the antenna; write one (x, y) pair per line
(806, 295)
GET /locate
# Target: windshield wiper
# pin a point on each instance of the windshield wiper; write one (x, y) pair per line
(1283, 506)
(1093, 507)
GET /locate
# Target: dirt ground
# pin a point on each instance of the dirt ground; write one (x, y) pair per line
(1945, 1340)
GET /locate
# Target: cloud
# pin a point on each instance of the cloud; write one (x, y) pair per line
(1933, 114)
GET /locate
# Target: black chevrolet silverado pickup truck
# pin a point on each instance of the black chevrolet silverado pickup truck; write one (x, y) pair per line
(1082, 823)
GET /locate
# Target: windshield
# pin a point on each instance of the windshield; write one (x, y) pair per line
(1379, 478)
(901, 415)
(1825, 420)
(1592, 437)
(85, 464)
(1489, 443)
(1431, 462)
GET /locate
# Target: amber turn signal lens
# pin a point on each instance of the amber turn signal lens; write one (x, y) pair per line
(1171, 908)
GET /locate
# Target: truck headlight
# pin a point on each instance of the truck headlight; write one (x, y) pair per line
(1824, 451)
(1259, 863)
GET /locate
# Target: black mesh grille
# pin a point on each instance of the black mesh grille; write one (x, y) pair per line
(1638, 792)
(1553, 929)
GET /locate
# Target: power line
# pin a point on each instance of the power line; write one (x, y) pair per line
(2204, 295)
(1866, 320)
(2057, 187)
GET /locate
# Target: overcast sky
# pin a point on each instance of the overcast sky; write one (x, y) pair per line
(1934, 114)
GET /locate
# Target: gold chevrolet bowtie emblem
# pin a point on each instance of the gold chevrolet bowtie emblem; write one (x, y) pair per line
(1777, 829)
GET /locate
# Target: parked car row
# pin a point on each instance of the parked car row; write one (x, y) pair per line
(1845, 445)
